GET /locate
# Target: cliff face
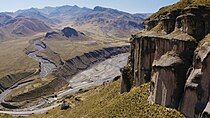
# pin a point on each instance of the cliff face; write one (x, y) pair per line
(197, 85)
(79, 63)
(173, 55)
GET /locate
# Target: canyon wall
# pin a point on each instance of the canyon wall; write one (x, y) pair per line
(10, 80)
(173, 55)
(72, 66)
(52, 64)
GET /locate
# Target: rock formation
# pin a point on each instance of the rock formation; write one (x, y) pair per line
(173, 55)
(72, 66)
(65, 33)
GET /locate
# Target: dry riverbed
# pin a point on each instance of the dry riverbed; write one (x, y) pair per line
(92, 77)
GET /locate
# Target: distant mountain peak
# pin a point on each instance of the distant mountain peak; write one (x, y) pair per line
(109, 21)
(99, 8)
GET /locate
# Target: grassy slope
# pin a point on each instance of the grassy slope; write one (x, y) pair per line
(13, 58)
(69, 49)
(105, 101)
(180, 5)
(38, 82)
(5, 116)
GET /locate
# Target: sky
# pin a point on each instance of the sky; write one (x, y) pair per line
(131, 6)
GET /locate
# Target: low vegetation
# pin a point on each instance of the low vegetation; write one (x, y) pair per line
(37, 83)
(13, 59)
(180, 5)
(106, 101)
(5, 116)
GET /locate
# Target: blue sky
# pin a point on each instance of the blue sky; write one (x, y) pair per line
(132, 6)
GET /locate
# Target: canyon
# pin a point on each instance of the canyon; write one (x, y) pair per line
(67, 77)
(81, 57)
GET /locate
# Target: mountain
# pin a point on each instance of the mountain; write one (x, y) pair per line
(66, 33)
(67, 12)
(4, 18)
(36, 14)
(100, 23)
(21, 26)
(112, 18)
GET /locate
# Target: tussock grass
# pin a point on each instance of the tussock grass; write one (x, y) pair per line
(5, 116)
(106, 101)
(180, 5)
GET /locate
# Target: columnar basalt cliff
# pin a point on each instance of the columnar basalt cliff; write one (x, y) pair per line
(173, 55)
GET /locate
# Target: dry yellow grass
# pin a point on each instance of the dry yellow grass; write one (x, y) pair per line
(179, 5)
(5, 116)
(69, 49)
(106, 102)
(13, 59)
(38, 82)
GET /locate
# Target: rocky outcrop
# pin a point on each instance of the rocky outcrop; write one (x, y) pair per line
(48, 89)
(69, 32)
(72, 66)
(168, 56)
(197, 86)
(10, 80)
(206, 112)
(65, 33)
(127, 78)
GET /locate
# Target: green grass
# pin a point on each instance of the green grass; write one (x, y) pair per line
(106, 102)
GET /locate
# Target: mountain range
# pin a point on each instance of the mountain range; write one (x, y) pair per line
(100, 21)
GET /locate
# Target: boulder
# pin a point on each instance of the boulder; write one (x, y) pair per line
(64, 105)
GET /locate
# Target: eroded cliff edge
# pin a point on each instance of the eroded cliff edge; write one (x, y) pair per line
(173, 55)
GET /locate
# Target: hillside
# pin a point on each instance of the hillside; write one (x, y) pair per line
(179, 5)
(67, 33)
(106, 101)
(4, 18)
(35, 14)
(21, 27)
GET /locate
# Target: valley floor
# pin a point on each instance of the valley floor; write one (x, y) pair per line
(106, 102)
(92, 77)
